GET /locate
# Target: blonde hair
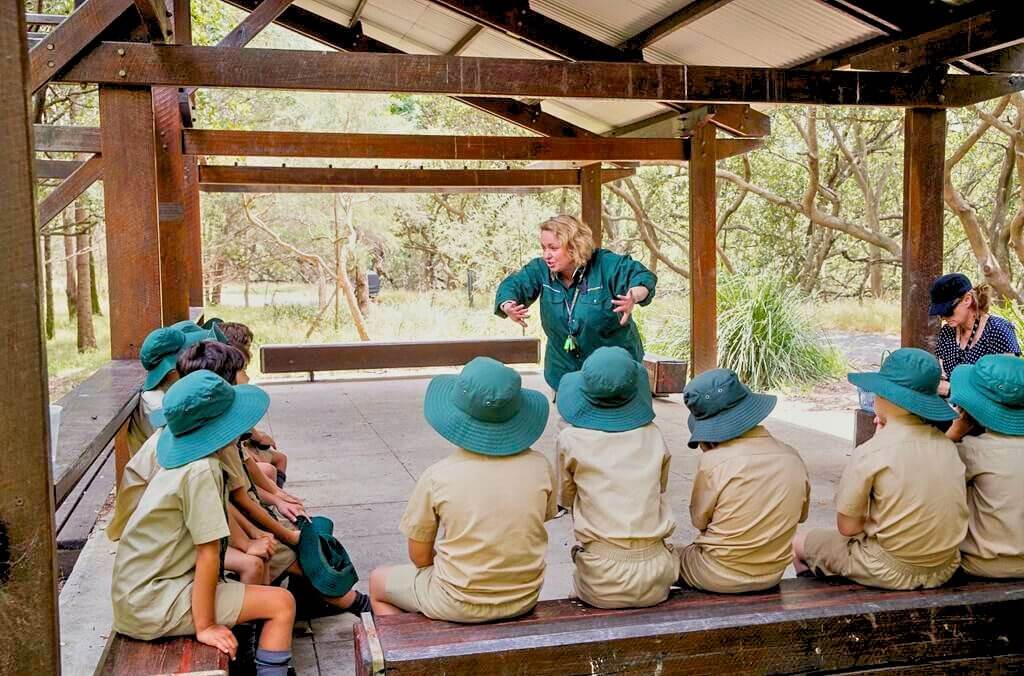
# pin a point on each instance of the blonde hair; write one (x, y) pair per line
(982, 295)
(573, 235)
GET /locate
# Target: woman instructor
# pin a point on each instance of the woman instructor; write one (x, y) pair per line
(587, 296)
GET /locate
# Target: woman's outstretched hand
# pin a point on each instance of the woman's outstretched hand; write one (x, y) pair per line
(516, 312)
(624, 305)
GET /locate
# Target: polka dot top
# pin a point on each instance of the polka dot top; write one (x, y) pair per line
(998, 337)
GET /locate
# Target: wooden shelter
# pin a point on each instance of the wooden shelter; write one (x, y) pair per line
(606, 84)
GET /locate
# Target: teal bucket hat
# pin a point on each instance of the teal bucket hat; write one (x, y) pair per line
(159, 352)
(992, 391)
(484, 409)
(204, 414)
(909, 378)
(324, 562)
(611, 393)
(212, 327)
(722, 408)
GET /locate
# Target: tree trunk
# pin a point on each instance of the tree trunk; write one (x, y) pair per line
(245, 291)
(350, 297)
(362, 289)
(216, 281)
(94, 293)
(48, 284)
(70, 284)
(876, 271)
(86, 333)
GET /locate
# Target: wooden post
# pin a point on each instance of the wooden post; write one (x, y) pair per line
(924, 149)
(194, 228)
(174, 233)
(29, 641)
(130, 207)
(590, 200)
(703, 254)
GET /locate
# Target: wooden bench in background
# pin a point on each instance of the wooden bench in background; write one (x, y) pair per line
(181, 655)
(667, 375)
(804, 625)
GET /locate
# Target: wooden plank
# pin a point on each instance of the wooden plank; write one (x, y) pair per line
(1009, 60)
(170, 177)
(58, 139)
(734, 119)
(804, 625)
(667, 375)
(76, 518)
(673, 22)
(703, 252)
(68, 191)
(730, 147)
(403, 354)
(923, 163)
(130, 208)
(35, 19)
(156, 18)
(30, 641)
(68, 40)
(181, 21)
(974, 36)
(194, 227)
(466, 40)
(428, 179)
(364, 190)
(590, 201)
(56, 168)
(181, 65)
(179, 655)
(234, 143)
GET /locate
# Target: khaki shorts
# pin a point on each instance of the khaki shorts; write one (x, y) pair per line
(414, 590)
(861, 559)
(279, 562)
(700, 571)
(227, 606)
(999, 567)
(612, 577)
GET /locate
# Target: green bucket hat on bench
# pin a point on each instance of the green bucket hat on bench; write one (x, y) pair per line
(159, 352)
(909, 378)
(204, 414)
(324, 562)
(992, 391)
(722, 408)
(611, 393)
(484, 409)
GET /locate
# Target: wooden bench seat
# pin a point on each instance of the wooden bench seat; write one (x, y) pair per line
(180, 655)
(667, 374)
(803, 625)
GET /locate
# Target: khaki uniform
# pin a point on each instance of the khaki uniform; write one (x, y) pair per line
(139, 428)
(908, 482)
(489, 561)
(156, 558)
(994, 546)
(749, 494)
(284, 556)
(615, 485)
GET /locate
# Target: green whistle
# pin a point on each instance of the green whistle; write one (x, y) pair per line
(569, 345)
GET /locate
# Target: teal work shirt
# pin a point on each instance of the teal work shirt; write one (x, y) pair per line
(606, 276)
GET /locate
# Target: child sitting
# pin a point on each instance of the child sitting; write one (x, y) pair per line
(901, 502)
(614, 469)
(475, 520)
(990, 395)
(749, 492)
(167, 577)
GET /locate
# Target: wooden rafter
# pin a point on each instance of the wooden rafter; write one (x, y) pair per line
(144, 64)
(466, 40)
(156, 18)
(58, 139)
(68, 191)
(733, 119)
(35, 19)
(49, 169)
(673, 22)
(357, 13)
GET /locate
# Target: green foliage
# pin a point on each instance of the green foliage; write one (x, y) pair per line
(1012, 313)
(767, 335)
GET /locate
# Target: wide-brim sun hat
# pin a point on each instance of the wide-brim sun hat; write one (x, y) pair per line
(945, 292)
(909, 378)
(723, 408)
(992, 392)
(485, 409)
(169, 361)
(611, 393)
(323, 559)
(203, 413)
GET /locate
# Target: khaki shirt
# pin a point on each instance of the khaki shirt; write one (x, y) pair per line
(140, 471)
(156, 557)
(749, 494)
(139, 428)
(492, 512)
(615, 485)
(908, 482)
(995, 495)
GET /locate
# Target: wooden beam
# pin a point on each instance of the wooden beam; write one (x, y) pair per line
(57, 139)
(181, 21)
(49, 169)
(590, 201)
(194, 227)
(971, 37)
(67, 40)
(170, 176)
(67, 192)
(730, 147)
(35, 19)
(924, 149)
(426, 179)
(427, 147)
(1009, 60)
(254, 23)
(30, 642)
(520, 21)
(673, 22)
(179, 65)
(357, 13)
(646, 123)
(732, 118)
(130, 208)
(703, 252)
(156, 18)
(466, 40)
(352, 39)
